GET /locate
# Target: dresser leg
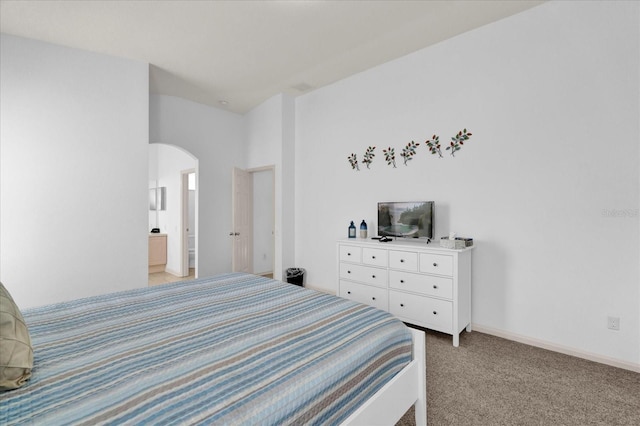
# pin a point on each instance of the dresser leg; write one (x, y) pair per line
(456, 340)
(468, 328)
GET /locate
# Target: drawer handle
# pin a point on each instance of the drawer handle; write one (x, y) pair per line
(402, 305)
(435, 286)
(435, 313)
(373, 276)
(435, 264)
(348, 292)
(348, 272)
(373, 257)
(373, 298)
(401, 260)
(401, 281)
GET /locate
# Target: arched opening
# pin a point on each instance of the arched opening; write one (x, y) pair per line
(173, 172)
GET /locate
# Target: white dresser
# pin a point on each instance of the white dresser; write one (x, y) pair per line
(421, 284)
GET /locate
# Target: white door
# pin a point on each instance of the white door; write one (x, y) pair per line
(242, 197)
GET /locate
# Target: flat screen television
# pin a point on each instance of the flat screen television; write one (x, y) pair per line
(413, 219)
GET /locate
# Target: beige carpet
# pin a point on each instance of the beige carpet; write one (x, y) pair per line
(493, 381)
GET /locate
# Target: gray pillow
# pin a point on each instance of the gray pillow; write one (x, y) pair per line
(16, 354)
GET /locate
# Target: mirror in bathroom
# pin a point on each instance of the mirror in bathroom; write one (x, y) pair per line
(157, 197)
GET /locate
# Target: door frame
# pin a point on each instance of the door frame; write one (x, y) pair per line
(251, 171)
(272, 169)
(184, 221)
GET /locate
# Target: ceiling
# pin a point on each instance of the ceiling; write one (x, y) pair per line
(236, 54)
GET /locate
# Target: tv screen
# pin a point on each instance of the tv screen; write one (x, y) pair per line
(406, 219)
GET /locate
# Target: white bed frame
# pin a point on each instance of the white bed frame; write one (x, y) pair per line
(407, 388)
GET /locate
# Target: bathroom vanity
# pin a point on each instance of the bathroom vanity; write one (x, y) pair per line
(157, 252)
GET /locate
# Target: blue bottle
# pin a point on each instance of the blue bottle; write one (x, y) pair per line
(363, 229)
(352, 230)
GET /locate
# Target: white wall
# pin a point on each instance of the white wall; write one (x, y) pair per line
(170, 162)
(73, 187)
(216, 138)
(270, 138)
(551, 97)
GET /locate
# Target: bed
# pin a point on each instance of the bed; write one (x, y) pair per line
(230, 349)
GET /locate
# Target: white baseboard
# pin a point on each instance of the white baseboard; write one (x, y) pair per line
(557, 348)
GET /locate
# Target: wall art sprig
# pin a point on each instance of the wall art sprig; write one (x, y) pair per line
(354, 162)
(368, 156)
(434, 145)
(458, 140)
(390, 156)
(409, 151)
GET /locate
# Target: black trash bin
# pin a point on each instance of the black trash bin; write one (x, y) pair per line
(295, 276)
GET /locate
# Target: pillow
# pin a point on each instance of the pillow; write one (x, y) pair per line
(16, 354)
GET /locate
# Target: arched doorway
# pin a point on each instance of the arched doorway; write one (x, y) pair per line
(175, 170)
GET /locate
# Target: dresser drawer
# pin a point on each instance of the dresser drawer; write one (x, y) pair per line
(432, 313)
(350, 254)
(364, 274)
(376, 257)
(404, 260)
(436, 264)
(429, 285)
(373, 296)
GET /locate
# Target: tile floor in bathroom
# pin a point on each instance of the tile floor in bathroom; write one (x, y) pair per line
(164, 277)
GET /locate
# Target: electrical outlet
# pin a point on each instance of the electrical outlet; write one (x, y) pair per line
(613, 323)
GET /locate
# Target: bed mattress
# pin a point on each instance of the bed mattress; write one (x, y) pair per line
(230, 349)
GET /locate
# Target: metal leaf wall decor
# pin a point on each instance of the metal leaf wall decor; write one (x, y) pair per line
(458, 140)
(368, 156)
(390, 156)
(410, 150)
(434, 145)
(353, 161)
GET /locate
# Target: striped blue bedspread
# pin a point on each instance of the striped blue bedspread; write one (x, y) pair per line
(231, 349)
